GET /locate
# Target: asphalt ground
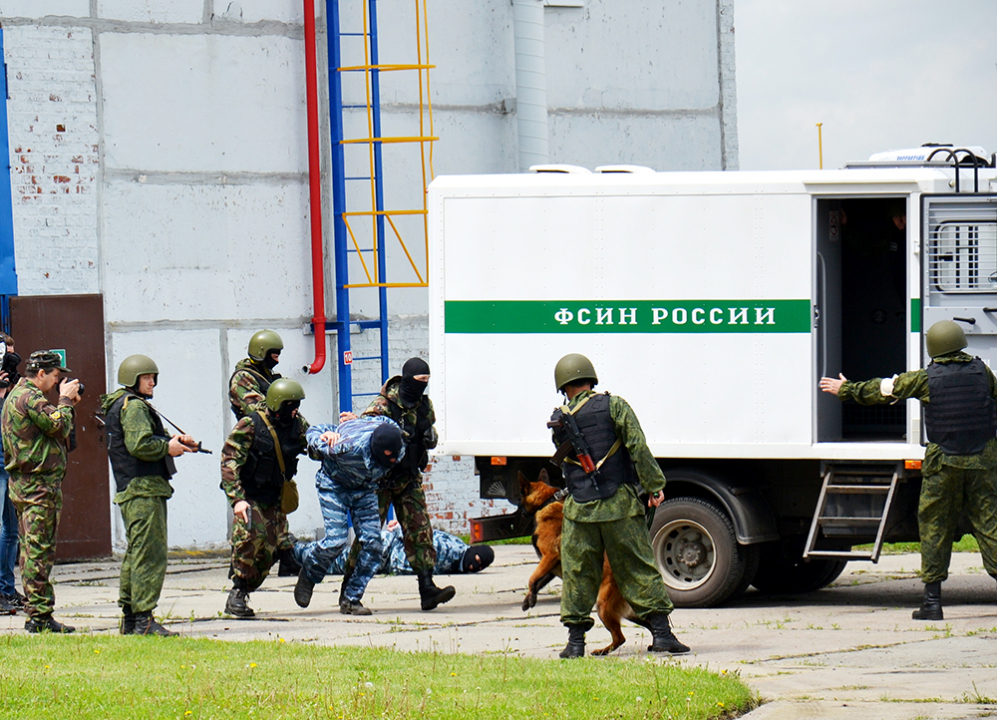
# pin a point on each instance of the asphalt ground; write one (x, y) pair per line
(849, 651)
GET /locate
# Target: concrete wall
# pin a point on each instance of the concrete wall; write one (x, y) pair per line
(158, 156)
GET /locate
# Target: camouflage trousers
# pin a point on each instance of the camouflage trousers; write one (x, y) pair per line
(409, 501)
(944, 496)
(626, 544)
(254, 544)
(38, 502)
(143, 569)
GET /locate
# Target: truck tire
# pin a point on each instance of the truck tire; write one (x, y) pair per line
(697, 552)
(779, 576)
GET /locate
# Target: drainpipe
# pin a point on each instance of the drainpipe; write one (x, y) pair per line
(315, 191)
(531, 82)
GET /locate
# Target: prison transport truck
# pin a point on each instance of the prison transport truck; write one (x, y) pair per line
(713, 302)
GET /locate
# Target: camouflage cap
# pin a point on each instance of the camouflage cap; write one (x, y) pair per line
(46, 360)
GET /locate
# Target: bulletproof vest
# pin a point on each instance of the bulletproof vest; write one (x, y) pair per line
(261, 379)
(596, 425)
(127, 467)
(416, 454)
(260, 477)
(960, 415)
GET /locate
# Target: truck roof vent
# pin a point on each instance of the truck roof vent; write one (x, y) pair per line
(632, 169)
(560, 169)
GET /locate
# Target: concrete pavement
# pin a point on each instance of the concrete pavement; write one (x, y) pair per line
(849, 651)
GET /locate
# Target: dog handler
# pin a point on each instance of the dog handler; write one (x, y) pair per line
(603, 513)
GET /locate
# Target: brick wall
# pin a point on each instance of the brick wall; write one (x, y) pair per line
(52, 116)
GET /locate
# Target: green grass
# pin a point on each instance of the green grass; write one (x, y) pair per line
(113, 677)
(967, 543)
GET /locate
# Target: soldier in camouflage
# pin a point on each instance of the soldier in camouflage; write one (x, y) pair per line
(35, 442)
(247, 391)
(403, 399)
(959, 471)
(141, 454)
(260, 455)
(603, 515)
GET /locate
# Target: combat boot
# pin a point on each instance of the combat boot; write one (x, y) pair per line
(576, 643)
(430, 595)
(145, 624)
(353, 607)
(46, 623)
(662, 637)
(237, 603)
(9, 605)
(127, 620)
(288, 567)
(931, 603)
(303, 589)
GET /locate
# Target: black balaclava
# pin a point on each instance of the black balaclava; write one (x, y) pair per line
(411, 390)
(285, 415)
(477, 558)
(386, 437)
(268, 362)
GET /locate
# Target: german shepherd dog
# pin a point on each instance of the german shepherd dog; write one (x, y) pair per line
(541, 499)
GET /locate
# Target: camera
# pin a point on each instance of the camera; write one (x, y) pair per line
(81, 388)
(9, 365)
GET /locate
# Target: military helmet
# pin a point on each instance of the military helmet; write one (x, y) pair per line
(263, 342)
(281, 390)
(133, 367)
(574, 367)
(944, 337)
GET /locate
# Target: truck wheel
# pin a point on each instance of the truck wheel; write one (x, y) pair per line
(778, 576)
(697, 552)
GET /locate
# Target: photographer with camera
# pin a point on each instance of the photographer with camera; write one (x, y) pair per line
(10, 600)
(141, 453)
(35, 443)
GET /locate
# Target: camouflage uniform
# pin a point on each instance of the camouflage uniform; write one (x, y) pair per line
(143, 507)
(450, 551)
(950, 484)
(615, 526)
(35, 439)
(247, 392)
(402, 486)
(253, 544)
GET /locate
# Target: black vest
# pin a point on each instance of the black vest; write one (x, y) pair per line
(596, 425)
(260, 477)
(960, 415)
(261, 380)
(126, 466)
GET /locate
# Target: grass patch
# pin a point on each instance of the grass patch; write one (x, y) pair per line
(113, 677)
(967, 543)
(526, 540)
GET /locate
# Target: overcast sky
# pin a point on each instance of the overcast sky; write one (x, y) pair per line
(879, 75)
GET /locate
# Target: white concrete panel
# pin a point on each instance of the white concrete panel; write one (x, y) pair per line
(615, 55)
(43, 8)
(662, 142)
(157, 11)
(251, 11)
(176, 253)
(203, 103)
(197, 510)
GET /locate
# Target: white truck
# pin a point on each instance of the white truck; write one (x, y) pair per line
(713, 302)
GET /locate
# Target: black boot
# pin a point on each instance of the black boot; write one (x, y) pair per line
(46, 623)
(289, 567)
(431, 595)
(303, 589)
(576, 643)
(127, 620)
(237, 603)
(931, 603)
(662, 637)
(145, 624)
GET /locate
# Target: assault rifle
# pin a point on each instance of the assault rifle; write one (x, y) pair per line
(575, 441)
(101, 423)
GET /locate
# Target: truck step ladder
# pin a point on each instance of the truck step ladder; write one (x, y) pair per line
(854, 503)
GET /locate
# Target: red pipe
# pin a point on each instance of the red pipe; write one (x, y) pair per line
(315, 191)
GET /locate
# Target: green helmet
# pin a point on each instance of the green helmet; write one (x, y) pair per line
(133, 367)
(574, 367)
(281, 390)
(944, 337)
(263, 342)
